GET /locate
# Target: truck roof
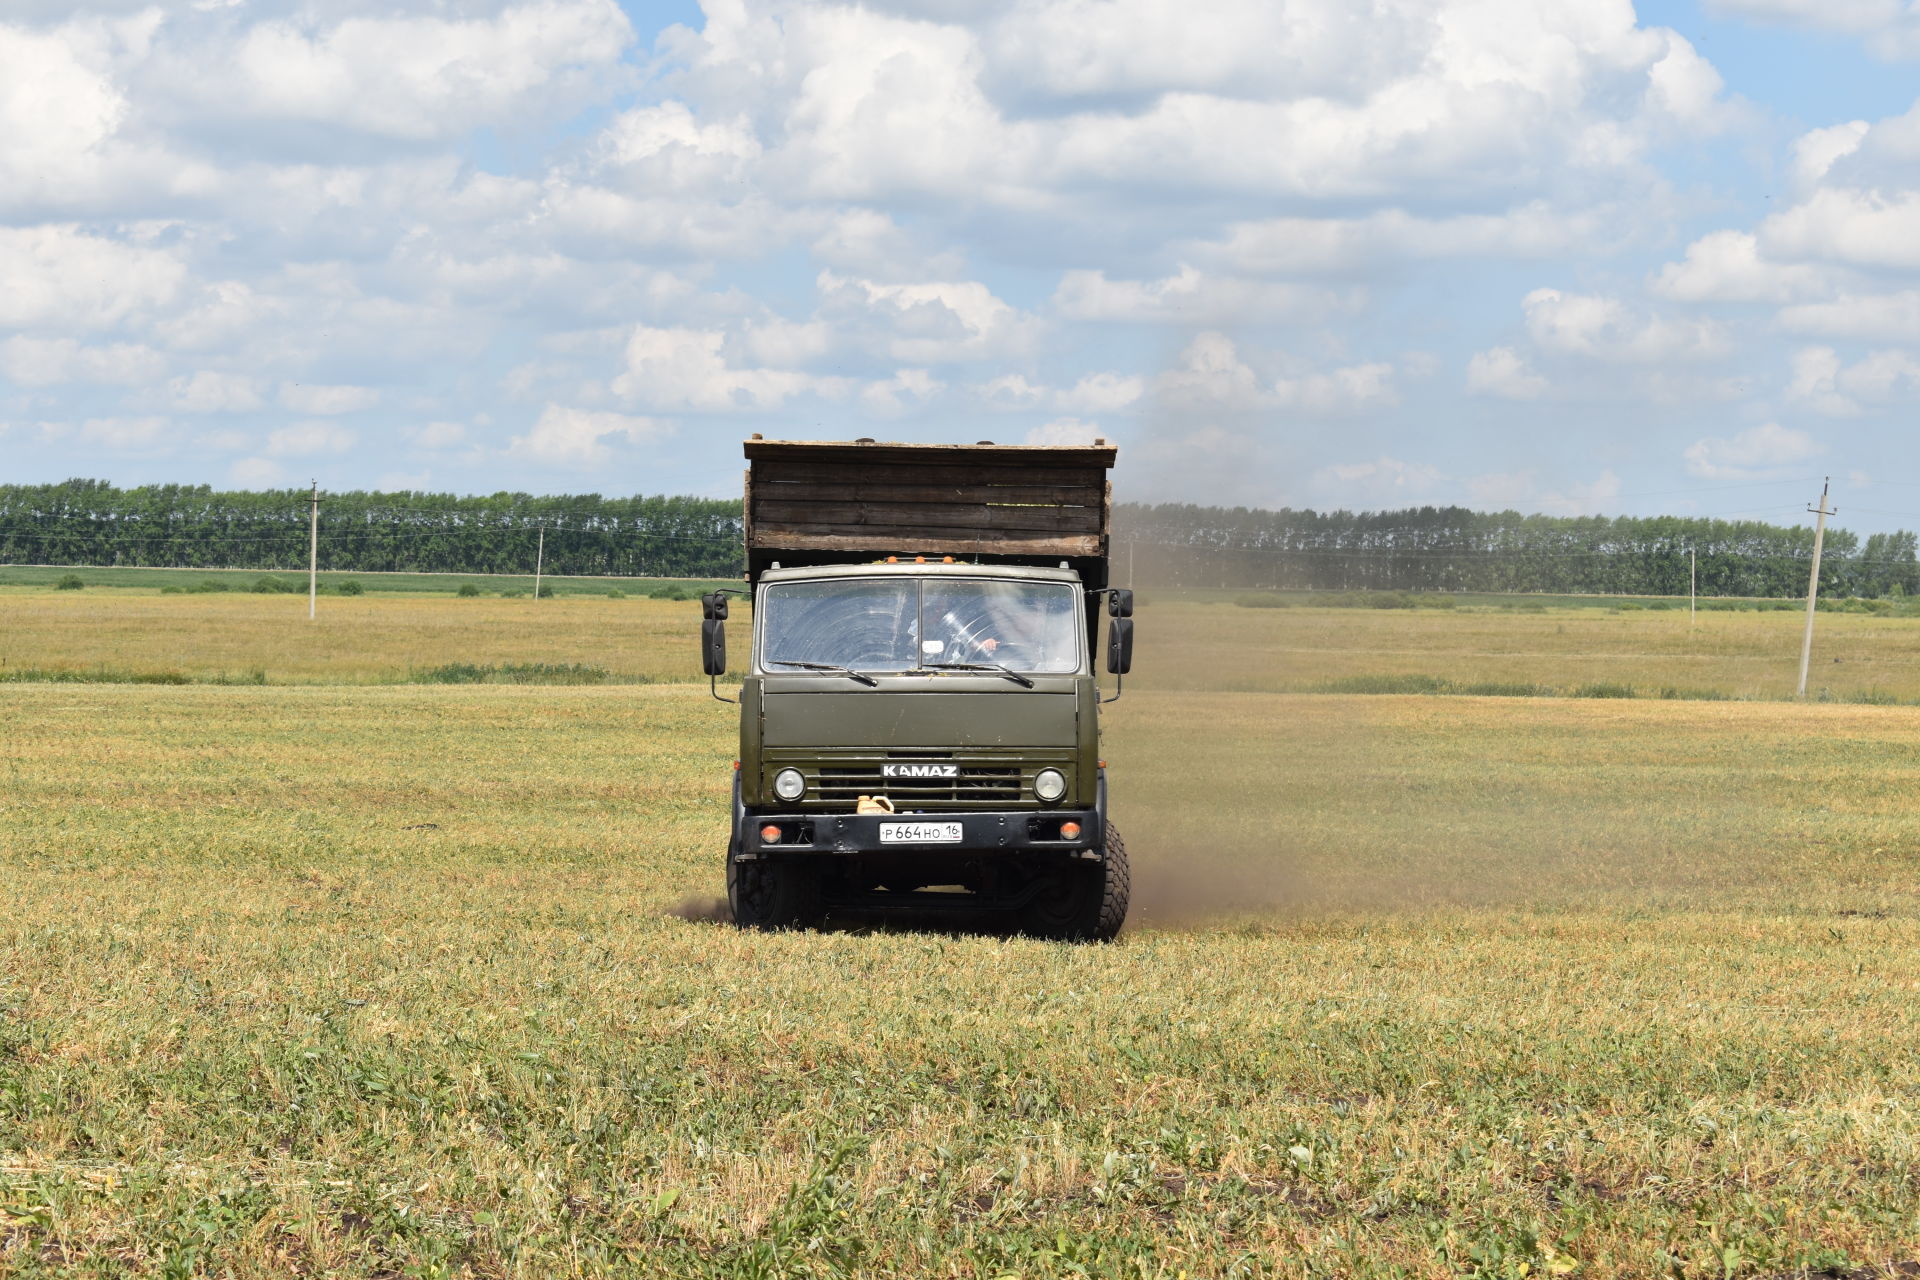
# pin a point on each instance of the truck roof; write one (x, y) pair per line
(909, 568)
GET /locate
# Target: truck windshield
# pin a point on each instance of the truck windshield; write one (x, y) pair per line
(869, 624)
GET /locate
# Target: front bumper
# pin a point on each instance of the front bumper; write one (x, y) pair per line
(835, 833)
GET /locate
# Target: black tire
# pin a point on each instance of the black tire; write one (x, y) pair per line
(774, 893)
(1083, 901)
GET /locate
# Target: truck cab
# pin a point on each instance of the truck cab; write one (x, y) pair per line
(919, 729)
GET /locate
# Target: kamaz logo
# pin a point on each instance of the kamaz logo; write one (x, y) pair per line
(919, 770)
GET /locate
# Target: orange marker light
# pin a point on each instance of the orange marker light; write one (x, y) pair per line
(893, 559)
(770, 834)
(1103, 764)
(919, 559)
(1069, 831)
(946, 559)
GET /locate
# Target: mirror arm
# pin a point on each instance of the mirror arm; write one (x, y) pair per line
(713, 688)
(1119, 687)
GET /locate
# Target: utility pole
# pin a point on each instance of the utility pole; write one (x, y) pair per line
(1693, 584)
(1813, 583)
(539, 559)
(313, 552)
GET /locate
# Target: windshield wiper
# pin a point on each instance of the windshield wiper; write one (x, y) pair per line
(1008, 672)
(848, 672)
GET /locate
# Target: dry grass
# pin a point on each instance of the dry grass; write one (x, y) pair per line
(364, 639)
(1184, 646)
(1743, 655)
(387, 981)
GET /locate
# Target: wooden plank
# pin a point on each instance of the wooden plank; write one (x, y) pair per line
(782, 472)
(956, 542)
(1085, 495)
(905, 517)
(746, 508)
(1009, 540)
(942, 455)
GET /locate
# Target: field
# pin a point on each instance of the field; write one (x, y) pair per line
(143, 580)
(344, 975)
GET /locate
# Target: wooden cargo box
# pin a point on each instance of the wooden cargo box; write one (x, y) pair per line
(814, 503)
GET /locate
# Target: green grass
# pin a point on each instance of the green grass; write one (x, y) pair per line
(347, 981)
(351, 979)
(512, 673)
(295, 581)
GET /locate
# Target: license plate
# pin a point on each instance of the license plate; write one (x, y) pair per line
(919, 833)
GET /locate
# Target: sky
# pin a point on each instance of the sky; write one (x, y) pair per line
(1567, 256)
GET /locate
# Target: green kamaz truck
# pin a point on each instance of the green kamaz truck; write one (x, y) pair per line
(920, 723)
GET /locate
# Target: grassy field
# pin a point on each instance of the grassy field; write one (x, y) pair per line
(350, 979)
(1194, 644)
(27, 578)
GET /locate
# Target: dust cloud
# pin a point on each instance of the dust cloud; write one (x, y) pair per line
(702, 908)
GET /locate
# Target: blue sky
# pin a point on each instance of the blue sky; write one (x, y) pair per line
(1560, 255)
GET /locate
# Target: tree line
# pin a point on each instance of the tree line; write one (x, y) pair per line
(1454, 549)
(90, 522)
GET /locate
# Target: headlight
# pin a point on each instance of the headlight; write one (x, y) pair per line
(1049, 785)
(789, 785)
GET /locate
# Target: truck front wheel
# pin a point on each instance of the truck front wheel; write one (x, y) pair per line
(1083, 901)
(774, 893)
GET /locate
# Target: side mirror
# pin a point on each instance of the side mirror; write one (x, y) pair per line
(1120, 602)
(713, 646)
(1120, 646)
(713, 607)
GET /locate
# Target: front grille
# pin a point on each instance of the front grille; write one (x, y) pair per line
(983, 779)
(976, 786)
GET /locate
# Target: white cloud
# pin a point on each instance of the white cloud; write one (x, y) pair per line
(438, 435)
(423, 77)
(1102, 393)
(62, 278)
(1815, 383)
(210, 391)
(54, 109)
(868, 243)
(256, 473)
(1756, 451)
(1210, 374)
(1502, 372)
(126, 435)
(786, 343)
(1822, 383)
(1861, 228)
(1891, 317)
(48, 362)
(226, 441)
(1382, 482)
(1344, 390)
(1315, 245)
(1726, 266)
(302, 397)
(1192, 297)
(685, 369)
(1065, 431)
(906, 389)
(1582, 499)
(1817, 150)
(1891, 28)
(576, 438)
(305, 438)
(928, 323)
(1602, 328)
